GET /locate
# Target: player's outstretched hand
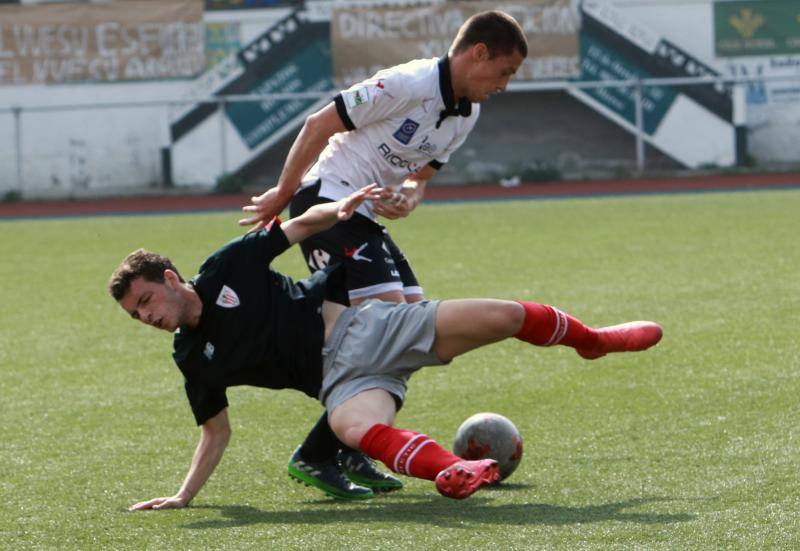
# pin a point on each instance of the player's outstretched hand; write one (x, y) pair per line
(264, 208)
(348, 205)
(174, 502)
(393, 205)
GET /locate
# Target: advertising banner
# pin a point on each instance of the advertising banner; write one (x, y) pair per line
(692, 124)
(367, 39)
(293, 55)
(768, 92)
(108, 42)
(306, 69)
(751, 27)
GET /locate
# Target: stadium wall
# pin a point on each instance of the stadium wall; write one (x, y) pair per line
(87, 152)
(90, 151)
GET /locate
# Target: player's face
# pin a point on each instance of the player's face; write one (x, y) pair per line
(490, 75)
(160, 305)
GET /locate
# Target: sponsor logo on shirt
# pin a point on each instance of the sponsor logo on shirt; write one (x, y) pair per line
(318, 259)
(396, 160)
(354, 98)
(406, 131)
(355, 253)
(380, 90)
(208, 351)
(227, 298)
(427, 147)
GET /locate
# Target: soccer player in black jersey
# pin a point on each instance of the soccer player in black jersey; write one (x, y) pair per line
(238, 322)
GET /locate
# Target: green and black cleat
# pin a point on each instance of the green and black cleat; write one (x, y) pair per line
(362, 470)
(327, 477)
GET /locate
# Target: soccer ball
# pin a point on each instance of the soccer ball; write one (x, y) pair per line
(490, 436)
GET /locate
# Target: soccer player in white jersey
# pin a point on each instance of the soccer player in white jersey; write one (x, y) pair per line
(396, 129)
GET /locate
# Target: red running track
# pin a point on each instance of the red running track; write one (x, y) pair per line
(179, 203)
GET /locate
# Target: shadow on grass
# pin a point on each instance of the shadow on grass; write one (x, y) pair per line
(442, 513)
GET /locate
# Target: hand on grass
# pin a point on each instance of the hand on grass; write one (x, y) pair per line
(174, 502)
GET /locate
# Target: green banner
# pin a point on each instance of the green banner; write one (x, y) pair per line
(307, 71)
(752, 27)
(600, 61)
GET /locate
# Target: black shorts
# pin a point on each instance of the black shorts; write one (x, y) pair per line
(374, 263)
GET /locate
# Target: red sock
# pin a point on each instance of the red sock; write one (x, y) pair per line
(547, 326)
(406, 452)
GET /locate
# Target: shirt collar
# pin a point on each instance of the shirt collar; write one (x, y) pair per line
(451, 109)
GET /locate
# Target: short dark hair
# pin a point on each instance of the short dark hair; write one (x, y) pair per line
(499, 31)
(140, 263)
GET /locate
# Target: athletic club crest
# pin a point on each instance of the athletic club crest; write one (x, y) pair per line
(227, 298)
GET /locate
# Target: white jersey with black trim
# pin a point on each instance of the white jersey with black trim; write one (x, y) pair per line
(399, 121)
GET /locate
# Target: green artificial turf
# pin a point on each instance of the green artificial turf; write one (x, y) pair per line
(692, 445)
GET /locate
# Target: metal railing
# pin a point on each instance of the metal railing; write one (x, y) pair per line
(735, 86)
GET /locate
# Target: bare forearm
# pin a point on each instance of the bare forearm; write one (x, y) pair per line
(316, 219)
(302, 155)
(308, 145)
(206, 458)
(323, 216)
(414, 190)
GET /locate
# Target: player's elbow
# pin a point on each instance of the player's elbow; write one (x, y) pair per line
(324, 123)
(315, 125)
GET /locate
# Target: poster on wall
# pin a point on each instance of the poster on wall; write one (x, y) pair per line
(761, 39)
(222, 40)
(108, 42)
(367, 39)
(767, 92)
(757, 28)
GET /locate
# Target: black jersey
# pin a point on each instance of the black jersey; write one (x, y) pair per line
(257, 327)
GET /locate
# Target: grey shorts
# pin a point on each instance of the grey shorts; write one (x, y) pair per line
(377, 345)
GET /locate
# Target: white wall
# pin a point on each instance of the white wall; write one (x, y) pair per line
(84, 151)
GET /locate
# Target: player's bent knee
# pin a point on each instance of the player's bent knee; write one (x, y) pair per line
(504, 318)
(514, 315)
(354, 435)
(351, 420)
(349, 432)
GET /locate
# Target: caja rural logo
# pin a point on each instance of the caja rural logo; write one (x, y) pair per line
(747, 22)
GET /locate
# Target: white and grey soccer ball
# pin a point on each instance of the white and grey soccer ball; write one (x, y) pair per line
(490, 436)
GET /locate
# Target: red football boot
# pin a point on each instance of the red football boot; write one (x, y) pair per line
(625, 337)
(463, 478)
